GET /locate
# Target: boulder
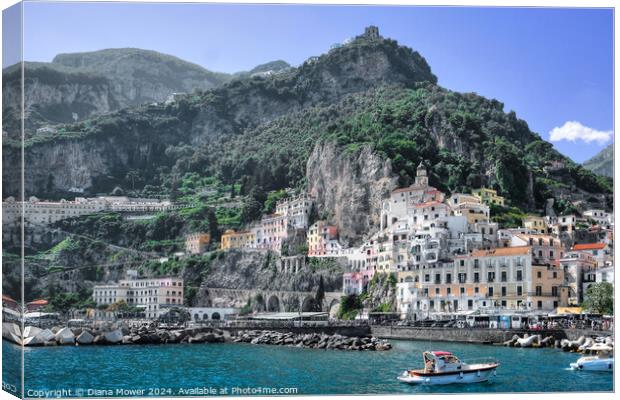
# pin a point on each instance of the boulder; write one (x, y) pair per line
(113, 337)
(64, 336)
(85, 338)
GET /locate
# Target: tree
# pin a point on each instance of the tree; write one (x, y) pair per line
(213, 226)
(63, 302)
(133, 176)
(349, 306)
(320, 295)
(600, 298)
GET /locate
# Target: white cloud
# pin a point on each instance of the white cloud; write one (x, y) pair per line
(574, 131)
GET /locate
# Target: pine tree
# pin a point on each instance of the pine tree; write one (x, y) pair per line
(320, 295)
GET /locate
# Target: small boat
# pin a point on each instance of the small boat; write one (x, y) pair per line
(443, 368)
(602, 360)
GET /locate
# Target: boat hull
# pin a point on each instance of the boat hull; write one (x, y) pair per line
(606, 364)
(474, 376)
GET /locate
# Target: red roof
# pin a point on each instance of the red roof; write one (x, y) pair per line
(589, 246)
(38, 302)
(7, 298)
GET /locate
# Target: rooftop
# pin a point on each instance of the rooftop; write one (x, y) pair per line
(589, 246)
(502, 251)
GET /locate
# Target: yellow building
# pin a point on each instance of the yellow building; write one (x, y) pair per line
(547, 290)
(196, 243)
(237, 240)
(474, 212)
(489, 196)
(535, 223)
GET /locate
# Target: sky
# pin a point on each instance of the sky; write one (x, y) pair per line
(553, 67)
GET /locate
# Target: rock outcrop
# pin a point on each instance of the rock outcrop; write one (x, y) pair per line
(351, 185)
(313, 341)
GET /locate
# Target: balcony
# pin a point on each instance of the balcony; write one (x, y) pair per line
(543, 294)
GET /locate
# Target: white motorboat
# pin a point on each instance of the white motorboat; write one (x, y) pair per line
(443, 368)
(602, 360)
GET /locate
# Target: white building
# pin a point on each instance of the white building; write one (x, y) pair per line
(41, 212)
(149, 294)
(601, 217)
(297, 209)
(47, 212)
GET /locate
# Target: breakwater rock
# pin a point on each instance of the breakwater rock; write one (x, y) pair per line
(313, 340)
(530, 341)
(583, 344)
(146, 334)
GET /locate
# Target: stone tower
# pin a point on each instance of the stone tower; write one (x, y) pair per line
(371, 32)
(421, 178)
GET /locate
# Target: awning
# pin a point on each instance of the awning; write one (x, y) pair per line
(567, 311)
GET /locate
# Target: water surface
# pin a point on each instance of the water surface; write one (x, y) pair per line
(171, 370)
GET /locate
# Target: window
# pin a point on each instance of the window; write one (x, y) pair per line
(476, 277)
(449, 291)
(539, 274)
(476, 264)
(519, 275)
(555, 274)
(427, 278)
(448, 278)
(490, 276)
(491, 291)
(504, 275)
(539, 304)
(462, 278)
(554, 291)
(462, 263)
(503, 291)
(504, 303)
(470, 304)
(436, 290)
(476, 290)
(519, 290)
(462, 290)
(538, 290)
(437, 278)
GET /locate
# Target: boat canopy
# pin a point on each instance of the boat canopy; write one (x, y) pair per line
(441, 353)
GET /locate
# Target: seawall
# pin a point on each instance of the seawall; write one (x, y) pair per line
(474, 335)
(359, 331)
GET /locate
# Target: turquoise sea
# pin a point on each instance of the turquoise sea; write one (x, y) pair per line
(244, 369)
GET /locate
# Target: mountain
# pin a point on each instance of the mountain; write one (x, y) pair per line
(77, 86)
(271, 67)
(603, 162)
(369, 100)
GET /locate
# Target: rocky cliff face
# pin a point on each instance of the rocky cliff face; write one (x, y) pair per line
(352, 185)
(603, 162)
(80, 85)
(138, 76)
(232, 109)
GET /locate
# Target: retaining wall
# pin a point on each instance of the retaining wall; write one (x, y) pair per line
(474, 335)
